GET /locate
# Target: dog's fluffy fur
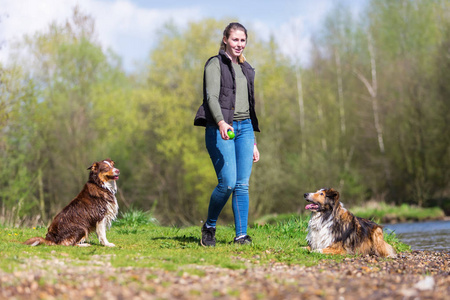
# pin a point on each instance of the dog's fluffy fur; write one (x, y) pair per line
(94, 208)
(332, 229)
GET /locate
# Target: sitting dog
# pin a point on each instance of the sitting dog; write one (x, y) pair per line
(94, 208)
(332, 229)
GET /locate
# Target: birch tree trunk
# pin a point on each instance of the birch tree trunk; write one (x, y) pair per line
(41, 196)
(301, 108)
(321, 118)
(372, 88)
(340, 90)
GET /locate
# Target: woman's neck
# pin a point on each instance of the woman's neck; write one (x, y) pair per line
(232, 58)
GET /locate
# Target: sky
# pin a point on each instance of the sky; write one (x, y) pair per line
(129, 27)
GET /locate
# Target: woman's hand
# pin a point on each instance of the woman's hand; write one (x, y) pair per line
(223, 129)
(255, 153)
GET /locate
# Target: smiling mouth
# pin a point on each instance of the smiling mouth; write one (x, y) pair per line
(114, 177)
(312, 206)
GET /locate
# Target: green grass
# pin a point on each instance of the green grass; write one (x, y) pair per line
(142, 243)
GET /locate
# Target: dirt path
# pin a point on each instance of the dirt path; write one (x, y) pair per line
(416, 275)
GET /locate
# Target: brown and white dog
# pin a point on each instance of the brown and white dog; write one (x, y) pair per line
(94, 208)
(332, 229)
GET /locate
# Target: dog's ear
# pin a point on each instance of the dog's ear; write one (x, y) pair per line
(94, 167)
(333, 194)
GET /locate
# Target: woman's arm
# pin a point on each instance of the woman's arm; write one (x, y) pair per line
(212, 77)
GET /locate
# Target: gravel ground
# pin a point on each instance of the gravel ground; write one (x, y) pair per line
(416, 275)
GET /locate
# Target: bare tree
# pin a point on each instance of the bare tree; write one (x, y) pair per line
(372, 88)
(340, 89)
(301, 106)
(296, 62)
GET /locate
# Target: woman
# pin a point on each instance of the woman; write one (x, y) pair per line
(229, 106)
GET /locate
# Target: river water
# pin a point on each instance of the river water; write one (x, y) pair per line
(433, 235)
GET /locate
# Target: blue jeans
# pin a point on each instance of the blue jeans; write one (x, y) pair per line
(233, 161)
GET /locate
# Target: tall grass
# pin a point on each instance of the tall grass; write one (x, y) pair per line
(134, 218)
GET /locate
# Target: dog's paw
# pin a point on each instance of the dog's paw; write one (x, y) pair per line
(317, 251)
(108, 244)
(307, 248)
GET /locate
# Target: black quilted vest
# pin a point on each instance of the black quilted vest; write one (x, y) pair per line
(227, 96)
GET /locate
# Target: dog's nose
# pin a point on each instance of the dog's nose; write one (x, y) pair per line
(305, 195)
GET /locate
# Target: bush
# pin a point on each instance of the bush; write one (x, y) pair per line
(135, 218)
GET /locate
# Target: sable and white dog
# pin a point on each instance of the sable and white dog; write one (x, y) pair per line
(94, 208)
(332, 229)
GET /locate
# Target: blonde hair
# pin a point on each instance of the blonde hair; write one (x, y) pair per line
(226, 34)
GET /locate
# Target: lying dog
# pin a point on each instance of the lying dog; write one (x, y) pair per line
(332, 229)
(94, 208)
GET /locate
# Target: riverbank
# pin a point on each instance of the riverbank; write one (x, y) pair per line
(380, 212)
(419, 274)
(390, 214)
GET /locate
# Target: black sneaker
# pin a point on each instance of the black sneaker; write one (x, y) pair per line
(245, 240)
(208, 236)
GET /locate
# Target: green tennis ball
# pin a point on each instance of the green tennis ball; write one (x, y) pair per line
(231, 134)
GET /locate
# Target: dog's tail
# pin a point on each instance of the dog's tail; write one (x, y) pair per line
(382, 247)
(38, 241)
(389, 250)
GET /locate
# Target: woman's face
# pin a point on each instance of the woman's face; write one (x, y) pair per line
(235, 43)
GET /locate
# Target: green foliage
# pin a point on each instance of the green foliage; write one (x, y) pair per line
(18, 139)
(70, 103)
(393, 240)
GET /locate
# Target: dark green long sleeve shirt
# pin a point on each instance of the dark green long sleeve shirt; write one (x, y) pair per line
(213, 89)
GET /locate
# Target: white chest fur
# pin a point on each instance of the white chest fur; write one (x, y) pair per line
(319, 232)
(112, 208)
(111, 186)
